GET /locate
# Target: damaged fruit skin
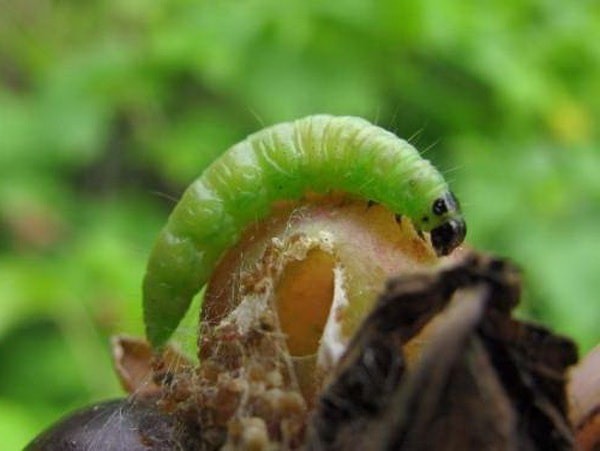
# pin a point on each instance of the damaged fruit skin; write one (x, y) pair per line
(320, 266)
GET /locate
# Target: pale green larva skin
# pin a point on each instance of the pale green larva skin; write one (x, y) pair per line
(316, 153)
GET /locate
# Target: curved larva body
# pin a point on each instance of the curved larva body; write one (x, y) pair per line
(316, 153)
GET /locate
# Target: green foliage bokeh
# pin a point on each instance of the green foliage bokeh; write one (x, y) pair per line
(108, 109)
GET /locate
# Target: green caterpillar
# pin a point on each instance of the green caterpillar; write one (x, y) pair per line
(316, 153)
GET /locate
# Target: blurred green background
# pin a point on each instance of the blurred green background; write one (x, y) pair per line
(108, 109)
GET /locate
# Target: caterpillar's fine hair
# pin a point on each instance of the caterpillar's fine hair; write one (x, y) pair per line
(316, 153)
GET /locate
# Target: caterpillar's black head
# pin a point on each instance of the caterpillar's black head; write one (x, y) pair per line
(452, 230)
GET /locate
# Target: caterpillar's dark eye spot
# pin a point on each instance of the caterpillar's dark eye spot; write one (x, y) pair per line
(440, 206)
